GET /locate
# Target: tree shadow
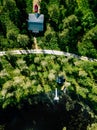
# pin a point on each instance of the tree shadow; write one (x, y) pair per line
(47, 115)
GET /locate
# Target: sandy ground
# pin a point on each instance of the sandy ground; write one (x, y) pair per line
(35, 43)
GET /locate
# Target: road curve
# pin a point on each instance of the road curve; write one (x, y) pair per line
(51, 52)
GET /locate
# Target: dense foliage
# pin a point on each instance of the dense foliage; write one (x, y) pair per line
(23, 77)
(70, 25)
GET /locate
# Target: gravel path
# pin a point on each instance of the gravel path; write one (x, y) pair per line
(51, 52)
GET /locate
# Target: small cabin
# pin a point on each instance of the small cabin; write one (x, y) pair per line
(36, 23)
(60, 80)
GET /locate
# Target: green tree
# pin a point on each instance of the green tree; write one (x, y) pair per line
(68, 36)
(88, 20)
(12, 34)
(54, 14)
(87, 49)
(50, 39)
(91, 35)
(23, 40)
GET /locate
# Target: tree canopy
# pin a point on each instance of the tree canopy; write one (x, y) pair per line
(73, 24)
(70, 26)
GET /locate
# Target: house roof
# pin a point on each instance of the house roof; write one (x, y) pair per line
(36, 22)
(36, 18)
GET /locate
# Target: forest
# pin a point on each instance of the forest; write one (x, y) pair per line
(28, 82)
(70, 25)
